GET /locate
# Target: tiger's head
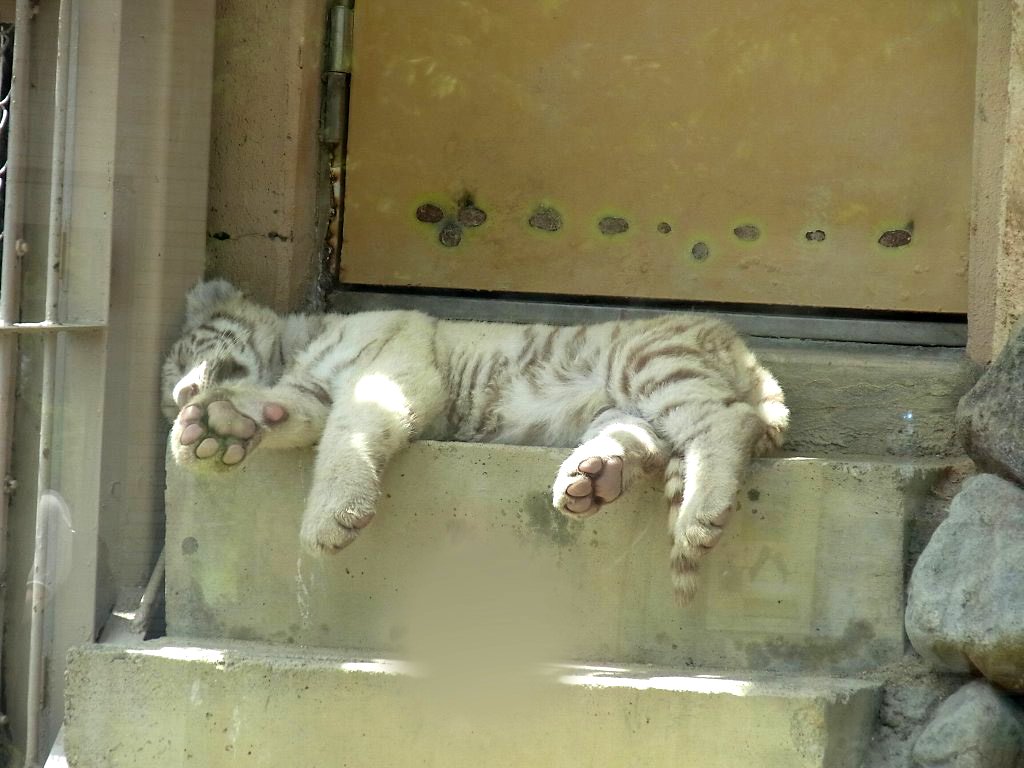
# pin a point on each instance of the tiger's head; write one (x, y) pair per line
(225, 339)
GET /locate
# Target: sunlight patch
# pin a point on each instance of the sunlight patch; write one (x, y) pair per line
(380, 390)
(702, 684)
(180, 653)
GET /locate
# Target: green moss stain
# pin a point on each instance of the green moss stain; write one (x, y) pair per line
(544, 521)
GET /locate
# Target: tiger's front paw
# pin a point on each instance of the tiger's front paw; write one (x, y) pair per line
(214, 433)
(329, 528)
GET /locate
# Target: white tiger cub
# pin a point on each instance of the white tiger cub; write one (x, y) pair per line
(679, 393)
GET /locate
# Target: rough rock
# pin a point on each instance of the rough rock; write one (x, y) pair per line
(966, 592)
(990, 418)
(912, 692)
(976, 727)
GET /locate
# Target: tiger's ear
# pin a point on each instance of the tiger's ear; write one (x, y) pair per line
(206, 297)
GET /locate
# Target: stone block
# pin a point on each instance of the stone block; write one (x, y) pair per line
(808, 577)
(990, 418)
(976, 727)
(966, 592)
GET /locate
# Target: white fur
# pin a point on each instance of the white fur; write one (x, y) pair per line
(679, 393)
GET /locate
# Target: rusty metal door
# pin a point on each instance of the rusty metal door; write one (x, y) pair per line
(787, 152)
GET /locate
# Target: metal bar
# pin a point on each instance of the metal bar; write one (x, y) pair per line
(53, 275)
(34, 702)
(45, 327)
(55, 243)
(10, 274)
(917, 333)
(140, 622)
(14, 247)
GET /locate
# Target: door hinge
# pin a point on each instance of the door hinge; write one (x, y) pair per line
(334, 126)
(340, 45)
(337, 71)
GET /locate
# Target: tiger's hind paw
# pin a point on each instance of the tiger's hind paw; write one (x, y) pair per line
(335, 521)
(584, 485)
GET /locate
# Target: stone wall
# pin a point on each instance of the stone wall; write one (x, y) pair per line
(964, 602)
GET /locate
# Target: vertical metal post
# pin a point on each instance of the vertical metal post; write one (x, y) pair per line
(53, 269)
(14, 248)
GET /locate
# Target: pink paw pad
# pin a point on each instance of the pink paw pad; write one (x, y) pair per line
(599, 483)
(274, 413)
(218, 429)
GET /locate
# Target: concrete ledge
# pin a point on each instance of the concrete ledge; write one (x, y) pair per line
(809, 576)
(869, 399)
(171, 702)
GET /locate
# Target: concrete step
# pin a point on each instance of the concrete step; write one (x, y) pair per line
(808, 578)
(172, 702)
(869, 399)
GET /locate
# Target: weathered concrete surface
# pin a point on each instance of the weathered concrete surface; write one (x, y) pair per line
(869, 399)
(809, 576)
(966, 592)
(996, 277)
(976, 727)
(173, 703)
(268, 197)
(990, 418)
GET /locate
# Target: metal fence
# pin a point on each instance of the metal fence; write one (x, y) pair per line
(6, 69)
(16, 248)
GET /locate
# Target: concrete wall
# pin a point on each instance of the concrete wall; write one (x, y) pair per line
(996, 298)
(160, 175)
(268, 184)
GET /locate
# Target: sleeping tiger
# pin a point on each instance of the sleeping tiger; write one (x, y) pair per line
(680, 393)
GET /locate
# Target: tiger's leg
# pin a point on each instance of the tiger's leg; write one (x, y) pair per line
(363, 432)
(617, 448)
(703, 478)
(219, 428)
